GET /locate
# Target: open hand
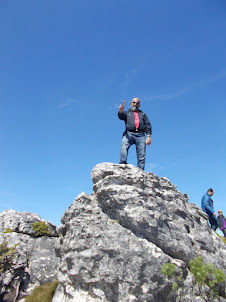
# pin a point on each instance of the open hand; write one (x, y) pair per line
(121, 107)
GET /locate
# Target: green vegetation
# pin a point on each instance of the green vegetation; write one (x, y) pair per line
(206, 274)
(41, 229)
(224, 239)
(168, 270)
(8, 230)
(43, 293)
(6, 255)
(207, 279)
(112, 221)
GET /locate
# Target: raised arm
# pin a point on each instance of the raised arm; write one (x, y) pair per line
(121, 113)
(121, 107)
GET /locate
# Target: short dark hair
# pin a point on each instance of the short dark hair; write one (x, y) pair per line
(210, 190)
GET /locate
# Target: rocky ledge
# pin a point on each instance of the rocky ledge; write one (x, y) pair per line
(113, 243)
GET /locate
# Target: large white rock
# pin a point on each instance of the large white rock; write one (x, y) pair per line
(114, 242)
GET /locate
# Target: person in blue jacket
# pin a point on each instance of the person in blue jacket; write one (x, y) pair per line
(207, 206)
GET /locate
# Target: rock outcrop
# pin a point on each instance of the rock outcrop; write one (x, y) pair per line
(114, 242)
(34, 261)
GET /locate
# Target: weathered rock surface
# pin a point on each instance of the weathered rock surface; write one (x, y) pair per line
(22, 222)
(34, 262)
(114, 242)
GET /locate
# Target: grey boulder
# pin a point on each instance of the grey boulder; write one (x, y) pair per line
(114, 242)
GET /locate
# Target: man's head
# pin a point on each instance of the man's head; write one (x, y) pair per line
(135, 104)
(220, 213)
(210, 192)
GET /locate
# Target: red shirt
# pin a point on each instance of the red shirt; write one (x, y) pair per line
(136, 119)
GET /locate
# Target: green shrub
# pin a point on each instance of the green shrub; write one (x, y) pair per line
(6, 255)
(8, 230)
(41, 229)
(168, 270)
(206, 278)
(3, 248)
(207, 274)
(43, 293)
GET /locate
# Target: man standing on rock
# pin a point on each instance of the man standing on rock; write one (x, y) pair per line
(137, 124)
(207, 206)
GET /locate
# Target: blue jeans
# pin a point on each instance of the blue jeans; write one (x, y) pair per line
(129, 139)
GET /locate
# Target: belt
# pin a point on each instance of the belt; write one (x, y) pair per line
(136, 131)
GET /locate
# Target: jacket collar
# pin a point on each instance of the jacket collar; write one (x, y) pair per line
(133, 111)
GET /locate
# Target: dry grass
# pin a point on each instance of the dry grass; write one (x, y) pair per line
(43, 293)
(223, 238)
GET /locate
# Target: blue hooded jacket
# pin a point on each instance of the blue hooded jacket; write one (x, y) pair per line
(207, 204)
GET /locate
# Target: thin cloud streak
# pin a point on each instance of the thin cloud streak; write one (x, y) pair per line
(198, 84)
(67, 103)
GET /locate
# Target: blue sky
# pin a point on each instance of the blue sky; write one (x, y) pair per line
(65, 66)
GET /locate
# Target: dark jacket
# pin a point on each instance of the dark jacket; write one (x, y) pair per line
(220, 222)
(128, 117)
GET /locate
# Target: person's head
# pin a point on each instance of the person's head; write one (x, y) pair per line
(220, 213)
(210, 192)
(135, 104)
